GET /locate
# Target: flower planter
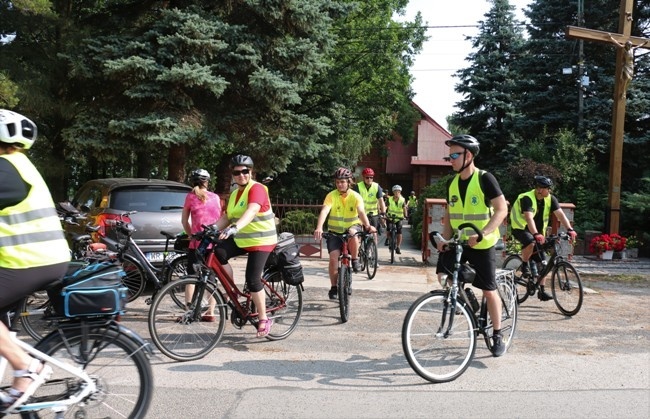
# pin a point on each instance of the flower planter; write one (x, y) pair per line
(606, 255)
(620, 255)
(632, 253)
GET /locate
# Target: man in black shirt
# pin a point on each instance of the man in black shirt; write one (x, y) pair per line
(529, 218)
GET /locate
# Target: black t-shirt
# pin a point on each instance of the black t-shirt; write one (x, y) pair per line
(489, 186)
(13, 189)
(527, 206)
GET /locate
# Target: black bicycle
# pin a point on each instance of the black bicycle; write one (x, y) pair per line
(391, 228)
(566, 285)
(368, 258)
(440, 328)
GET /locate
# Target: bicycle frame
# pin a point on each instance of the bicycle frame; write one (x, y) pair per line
(233, 292)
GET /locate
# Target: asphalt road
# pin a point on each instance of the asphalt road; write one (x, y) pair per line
(594, 365)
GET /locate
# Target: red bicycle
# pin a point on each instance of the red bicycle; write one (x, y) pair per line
(181, 331)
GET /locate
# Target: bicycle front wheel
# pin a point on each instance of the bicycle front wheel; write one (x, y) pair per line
(509, 312)
(363, 258)
(391, 246)
(437, 350)
(344, 285)
(135, 279)
(37, 315)
(186, 333)
(566, 287)
(371, 255)
(118, 366)
(521, 284)
(283, 306)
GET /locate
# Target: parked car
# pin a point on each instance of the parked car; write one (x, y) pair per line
(158, 203)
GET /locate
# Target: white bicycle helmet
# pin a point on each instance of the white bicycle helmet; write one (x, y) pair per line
(397, 188)
(16, 130)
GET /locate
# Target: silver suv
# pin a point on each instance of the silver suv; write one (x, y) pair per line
(158, 203)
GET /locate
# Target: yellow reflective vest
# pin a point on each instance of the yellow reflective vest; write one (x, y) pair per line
(396, 208)
(517, 219)
(472, 209)
(343, 213)
(30, 231)
(369, 197)
(261, 230)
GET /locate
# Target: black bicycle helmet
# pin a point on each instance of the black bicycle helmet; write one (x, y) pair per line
(199, 176)
(16, 130)
(241, 160)
(543, 182)
(342, 173)
(467, 142)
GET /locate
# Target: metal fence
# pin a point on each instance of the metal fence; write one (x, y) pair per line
(299, 217)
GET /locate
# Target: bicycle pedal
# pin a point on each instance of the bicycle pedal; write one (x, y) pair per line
(148, 301)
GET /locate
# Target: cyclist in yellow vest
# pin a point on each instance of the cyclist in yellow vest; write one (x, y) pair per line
(475, 196)
(373, 198)
(33, 249)
(529, 218)
(397, 212)
(346, 212)
(411, 205)
(248, 228)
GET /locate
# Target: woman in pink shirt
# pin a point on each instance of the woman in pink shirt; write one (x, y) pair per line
(202, 207)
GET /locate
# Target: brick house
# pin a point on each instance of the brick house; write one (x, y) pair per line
(415, 165)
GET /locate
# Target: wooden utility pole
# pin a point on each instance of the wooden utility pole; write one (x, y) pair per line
(624, 68)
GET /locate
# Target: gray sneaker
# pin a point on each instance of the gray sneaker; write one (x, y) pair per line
(498, 347)
(356, 266)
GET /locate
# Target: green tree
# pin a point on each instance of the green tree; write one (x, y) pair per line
(488, 85)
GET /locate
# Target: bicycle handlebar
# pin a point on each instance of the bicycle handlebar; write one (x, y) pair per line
(455, 239)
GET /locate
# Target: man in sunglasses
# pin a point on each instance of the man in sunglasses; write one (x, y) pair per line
(529, 218)
(474, 196)
(373, 198)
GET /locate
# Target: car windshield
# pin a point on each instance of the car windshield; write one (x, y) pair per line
(148, 199)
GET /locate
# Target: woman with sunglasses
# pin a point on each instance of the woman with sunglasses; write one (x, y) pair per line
(248, 227)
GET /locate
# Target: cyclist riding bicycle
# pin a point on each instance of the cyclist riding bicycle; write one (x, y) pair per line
(346, 212)
(474, 196)
(397, 214)
(248, 228)
(373, 198)
(529, 218)
(33, 249)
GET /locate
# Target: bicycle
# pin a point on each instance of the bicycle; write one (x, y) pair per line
(344, 272)
(100, 369)
(392, 237)
(440, 328)
(180, 333)
(566, 285)
(368, 258)
(138, 268)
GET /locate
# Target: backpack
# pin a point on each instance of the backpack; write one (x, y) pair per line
(286, 259)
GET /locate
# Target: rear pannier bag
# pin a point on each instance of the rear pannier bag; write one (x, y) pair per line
(286, 257)
(93, 290)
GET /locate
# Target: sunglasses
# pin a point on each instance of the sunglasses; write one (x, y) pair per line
(369, 177)
(454, 156)
(240, 172)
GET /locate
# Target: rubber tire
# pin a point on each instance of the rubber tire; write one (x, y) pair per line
(522, 284)
(286, 309)
(117, 355)
(432, 356)
(343, 285)
(568, 301)
(135, 279)
(372, 259)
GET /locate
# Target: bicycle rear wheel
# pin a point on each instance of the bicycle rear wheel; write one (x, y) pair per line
(182, 333)
(566, 287)
(344, 284)
(434, 351)
(135, 279)
(283, 305)
(119, 367)
(371, 255)
(177, 269)
(521, 284)
(509, 312)
(37, 315)
(363, 257)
